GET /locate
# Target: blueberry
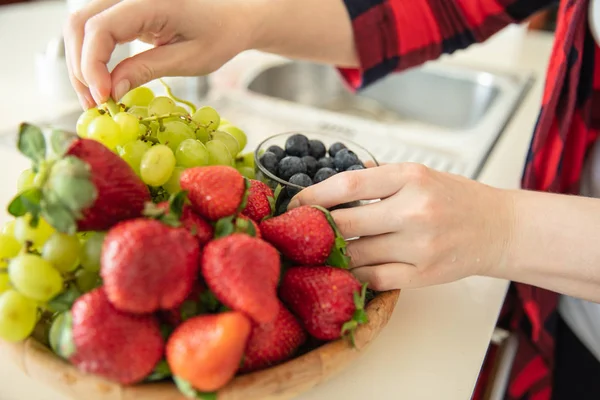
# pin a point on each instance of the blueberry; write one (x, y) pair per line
(300, 180)
(334, 148)
(355, 167)
(344, 159)
(325, 162)
(323, 173)
(278, 151)
(269, 161)
(297, 145)
(311, 165)
(316, 148)
(289, 166)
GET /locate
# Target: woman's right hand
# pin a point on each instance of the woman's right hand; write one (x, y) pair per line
(191, 37)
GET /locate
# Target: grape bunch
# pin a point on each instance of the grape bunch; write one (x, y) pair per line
(159, 138)
(37, 266)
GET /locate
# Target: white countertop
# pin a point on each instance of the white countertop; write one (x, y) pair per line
(434, 344)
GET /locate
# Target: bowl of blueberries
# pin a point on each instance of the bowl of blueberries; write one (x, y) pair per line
(294, 161)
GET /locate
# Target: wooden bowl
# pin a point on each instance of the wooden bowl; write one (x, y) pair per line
(281, 382)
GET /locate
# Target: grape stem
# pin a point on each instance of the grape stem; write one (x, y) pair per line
(161, 117)
(177, 99)
(112, 107)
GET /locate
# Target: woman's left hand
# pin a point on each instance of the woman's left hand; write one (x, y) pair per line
(429, 228)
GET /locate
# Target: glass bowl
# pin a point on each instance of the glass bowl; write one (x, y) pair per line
(288, 190)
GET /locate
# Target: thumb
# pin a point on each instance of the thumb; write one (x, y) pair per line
(158, 62)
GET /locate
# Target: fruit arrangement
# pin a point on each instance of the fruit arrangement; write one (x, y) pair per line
(143, 250)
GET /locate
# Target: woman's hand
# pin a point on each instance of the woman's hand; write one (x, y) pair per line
(429, 227)
(192, 37)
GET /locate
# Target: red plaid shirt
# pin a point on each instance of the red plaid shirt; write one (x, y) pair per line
(392, 35)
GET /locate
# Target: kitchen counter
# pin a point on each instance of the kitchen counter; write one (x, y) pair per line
(435, 343)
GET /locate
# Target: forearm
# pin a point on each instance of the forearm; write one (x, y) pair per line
(315, 30)
(555, 244)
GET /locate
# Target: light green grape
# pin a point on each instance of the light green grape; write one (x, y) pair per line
(9, 248)
(25, 180)
(173, 186)
(247, 172)
(140, 96)
(237, 133)
(105, 130)
(18, 316)
(161, 105)
(224, 122)
(181, 110)
(62, 251)
(133, 152)
(174, 133)
(218, 153)
(38, 236)
(129, 126)
(202, 134)
(8, 228)
(84, 121)
(86, 280)
(207, 117)
(245, 160)
(4, 282)
(157, 165)
(191, 153)
(91, 251)
(35, 277)
(228, 140)
(138, 111)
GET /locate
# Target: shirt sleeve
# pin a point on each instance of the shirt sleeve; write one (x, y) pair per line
(393, 35)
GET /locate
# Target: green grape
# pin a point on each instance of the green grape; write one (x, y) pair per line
(26, 233)
(133, 152)
(202, 134)
(35, 277)
(224, 122)
(218, 153)
(191, 153)
(140, 96)
(228, 140)
(173, 186)
(174, 133)
(237, 133)
(157, 165)
(161, 105)
(245, 160)
(247, 172)
(138, 111)
(154, 128)
(8, 228)
(84, 121)
(142, 130)
(86, 280)
(105, 130)
(9, 248)
(181, 110)
(18, 316)
(91, 251)
(129, 126)
(4, 282)
(62, 251)
(207, 117)
(25, 180)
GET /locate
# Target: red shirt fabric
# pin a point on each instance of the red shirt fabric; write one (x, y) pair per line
(393, 35)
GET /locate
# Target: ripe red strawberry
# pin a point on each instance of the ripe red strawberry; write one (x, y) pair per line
(215, 191)
(306, 235)
(121, 347)
(147, 266)
(243, 272)
(88, 188)
(260, 201)
(206, 351)
(202, 230)
(329, 301)
(274, 342)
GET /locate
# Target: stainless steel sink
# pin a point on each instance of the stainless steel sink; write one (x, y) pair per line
(456, 100)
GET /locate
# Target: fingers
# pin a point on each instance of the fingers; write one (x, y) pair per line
(368, 220)
(389, 276)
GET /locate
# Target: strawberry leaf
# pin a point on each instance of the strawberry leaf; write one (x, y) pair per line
(188, 390)
(60, 141)
(209, 302)
(244, 225)
(244, 202)
(224, 227)
(31, 143)
(177, 202)
(61, 335)
(153, 211)
(273, 200)
(160, 372)
(26, 202)
(358, 318)
(59, 216)
(338, 257)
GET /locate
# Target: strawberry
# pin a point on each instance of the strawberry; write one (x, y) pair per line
(260, 201)
(243, 272)
(121, 347)
(329, 301)
(206, 351)
(147, 265)
(202, 230)
(274, 342)
(87, 188)
(216, 191)
(306, 235)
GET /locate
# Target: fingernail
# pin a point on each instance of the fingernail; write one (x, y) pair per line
(121, 89)
(96, 95)
(293, 204)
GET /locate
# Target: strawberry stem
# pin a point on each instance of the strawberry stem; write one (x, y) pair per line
(338, 256)
(358, 318)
